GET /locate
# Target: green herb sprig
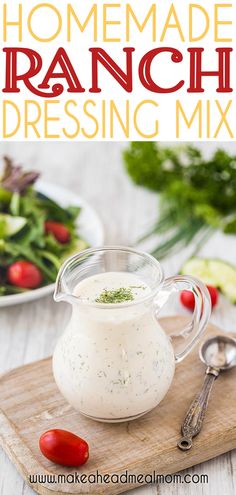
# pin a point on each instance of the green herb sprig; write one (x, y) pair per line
(197, 196)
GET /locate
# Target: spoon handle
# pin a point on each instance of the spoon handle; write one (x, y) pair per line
(193, 420)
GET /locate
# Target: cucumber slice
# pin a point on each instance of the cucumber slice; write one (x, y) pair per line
(226, 278)
(214, 272)
(11, 225)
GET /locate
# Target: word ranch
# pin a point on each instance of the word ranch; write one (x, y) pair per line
(62, 75)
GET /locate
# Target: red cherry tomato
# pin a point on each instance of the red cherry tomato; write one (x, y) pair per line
(187, 297)
(24, 274)
(60, 231)
(64, 448)
(214, 294)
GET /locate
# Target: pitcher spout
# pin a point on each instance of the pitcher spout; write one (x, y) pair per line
(67, 279)
(59, 292)
(63, 291)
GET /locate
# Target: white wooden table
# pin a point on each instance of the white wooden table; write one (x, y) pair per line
(29, 332)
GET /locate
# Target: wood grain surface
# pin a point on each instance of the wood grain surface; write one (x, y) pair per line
(29, 332)
(32, 404)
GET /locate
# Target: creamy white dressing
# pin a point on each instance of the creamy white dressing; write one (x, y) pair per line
(113, 362)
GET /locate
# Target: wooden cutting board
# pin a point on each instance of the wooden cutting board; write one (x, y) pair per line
(31, 404)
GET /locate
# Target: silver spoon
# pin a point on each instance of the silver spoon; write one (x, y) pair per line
(219, 354)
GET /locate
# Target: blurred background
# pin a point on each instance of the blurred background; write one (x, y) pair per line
(96, 172)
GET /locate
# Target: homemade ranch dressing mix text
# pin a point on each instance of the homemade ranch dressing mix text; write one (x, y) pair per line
(114, 361)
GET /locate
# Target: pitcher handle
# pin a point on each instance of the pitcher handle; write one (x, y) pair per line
(191, 332)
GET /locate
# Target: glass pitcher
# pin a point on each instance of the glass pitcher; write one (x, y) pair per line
(114, 362)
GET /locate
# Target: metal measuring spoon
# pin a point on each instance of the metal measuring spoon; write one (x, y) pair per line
(219, 354)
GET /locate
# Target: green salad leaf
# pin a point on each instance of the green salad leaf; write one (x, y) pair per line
(23, 236)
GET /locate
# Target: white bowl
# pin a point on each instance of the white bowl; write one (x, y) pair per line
(90, 228)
